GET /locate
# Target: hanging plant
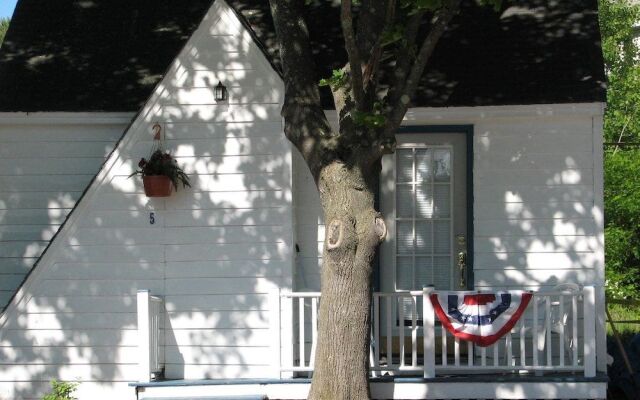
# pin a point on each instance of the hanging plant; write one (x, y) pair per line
(160, 173)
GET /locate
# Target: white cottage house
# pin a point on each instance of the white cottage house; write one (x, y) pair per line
(212, 292)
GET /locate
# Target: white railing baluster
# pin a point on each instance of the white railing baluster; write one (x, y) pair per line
(389, 332)
(400, 301)
(562, 323)
(376, 331)
(469, 354)
(508, 343)
(428, 319)
(443, 332)
(414, 331)
(314, 330)
(495, 353)
(483, 356)
(535, 333)
(456, 352)
(523, 347)
(574, 320)
(589, 315)
(548, 342)
(303, 362)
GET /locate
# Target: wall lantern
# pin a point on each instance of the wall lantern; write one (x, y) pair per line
(221, 92)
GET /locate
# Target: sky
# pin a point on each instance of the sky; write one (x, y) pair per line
(6, 8)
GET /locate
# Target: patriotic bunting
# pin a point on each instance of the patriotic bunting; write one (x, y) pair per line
(482, 318)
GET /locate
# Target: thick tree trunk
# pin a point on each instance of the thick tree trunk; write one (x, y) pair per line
(353, 231)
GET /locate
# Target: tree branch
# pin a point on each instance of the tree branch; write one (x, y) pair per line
(401, 101)
(306, 125)
(372, 66)
(355, 65)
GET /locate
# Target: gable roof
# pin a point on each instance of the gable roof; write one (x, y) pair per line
(107, 55)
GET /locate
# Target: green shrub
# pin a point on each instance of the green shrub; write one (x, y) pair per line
(61, 391)
(622, 223)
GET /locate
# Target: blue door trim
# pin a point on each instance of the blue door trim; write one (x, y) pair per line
(466, 130)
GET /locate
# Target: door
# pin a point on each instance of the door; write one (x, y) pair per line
(424, 200)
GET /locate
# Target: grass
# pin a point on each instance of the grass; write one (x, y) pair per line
(621, 312)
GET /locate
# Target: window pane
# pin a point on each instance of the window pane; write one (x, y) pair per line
(442, 240)
(424, 201)
(404, 167)
(442, 165)
(404, 201)
(442, 200)
(404, 273)
(424, 243)
(424, 169)
(424, 272)
(442, 273)
(404, 237)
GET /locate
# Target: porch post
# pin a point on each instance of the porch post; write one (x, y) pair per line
(275, 328)
(429, 340)
(144, 336)
(589, 302)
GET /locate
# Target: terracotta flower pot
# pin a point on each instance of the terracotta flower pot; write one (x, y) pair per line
(157, 185)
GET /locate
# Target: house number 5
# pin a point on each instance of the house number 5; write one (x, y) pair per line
(152, 218)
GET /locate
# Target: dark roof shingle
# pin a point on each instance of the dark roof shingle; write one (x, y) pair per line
(107, 55)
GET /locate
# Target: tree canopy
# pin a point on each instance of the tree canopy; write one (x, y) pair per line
(4, 26)
(619, 21)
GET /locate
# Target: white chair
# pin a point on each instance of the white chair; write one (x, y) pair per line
(559, 322)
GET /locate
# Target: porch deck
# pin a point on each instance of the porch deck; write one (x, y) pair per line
(507, 386)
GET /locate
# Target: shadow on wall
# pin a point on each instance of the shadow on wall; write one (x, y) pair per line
(213, 251)
(536, 223)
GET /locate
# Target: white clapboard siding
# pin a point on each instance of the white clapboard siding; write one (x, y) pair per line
(522, 277)
(68, 355)
(208, 130)
(221, 113)
(226, 146)
(535, 221)
(549, 209)
(190, 78)
(548, 244)
(237, 95)
(216, 355)
(43, 170)
(217, 320)
(219, 337)
(58, 337)
(226, 268)
(215, 252)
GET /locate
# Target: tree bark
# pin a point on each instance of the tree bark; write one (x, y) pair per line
(353, 232)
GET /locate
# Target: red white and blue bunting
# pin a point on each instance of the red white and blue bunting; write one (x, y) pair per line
(482, 318)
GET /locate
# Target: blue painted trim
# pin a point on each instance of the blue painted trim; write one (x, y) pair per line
(466, 130)
(489, 378)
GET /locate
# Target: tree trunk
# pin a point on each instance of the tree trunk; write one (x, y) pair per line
(353, 231)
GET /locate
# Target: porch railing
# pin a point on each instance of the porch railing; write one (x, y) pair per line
(150, 327)
(556, 334)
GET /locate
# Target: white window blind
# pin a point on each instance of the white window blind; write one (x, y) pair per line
(423, 219)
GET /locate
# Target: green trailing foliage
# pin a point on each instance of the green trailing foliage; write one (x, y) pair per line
(61, 391)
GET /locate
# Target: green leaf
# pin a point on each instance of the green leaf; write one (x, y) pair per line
(338, 79)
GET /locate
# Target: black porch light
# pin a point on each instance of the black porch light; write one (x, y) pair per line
(221, 92)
